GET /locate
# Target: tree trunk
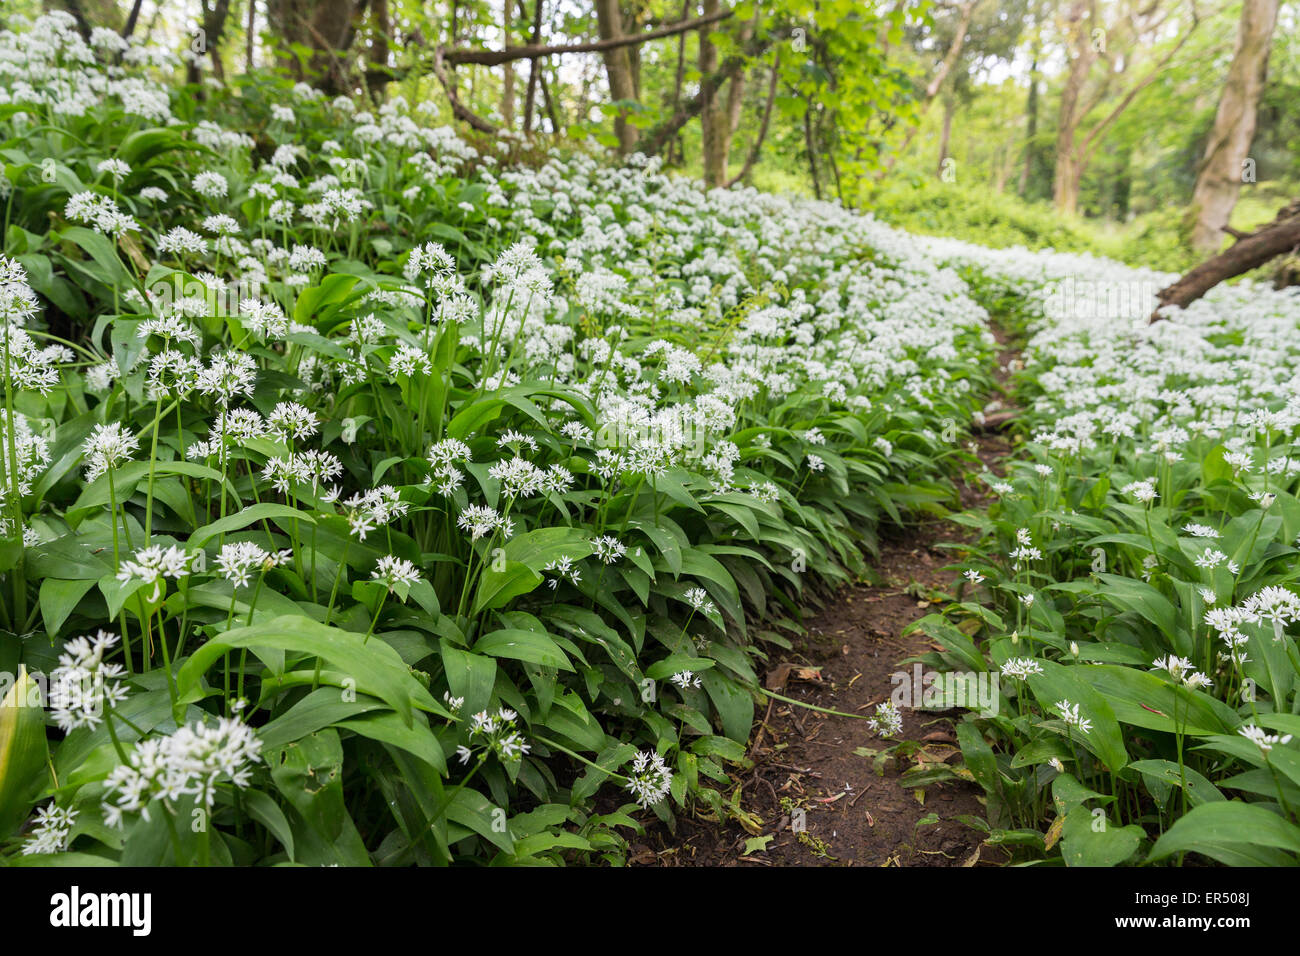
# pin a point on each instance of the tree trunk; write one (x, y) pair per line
(534, 66)
(1250, 251)
(678, 78)
(752, 157)
(664, 132)
(1065, 184)
(325, 26)
(1219, 179)
(214, 25)
(736, 98)
(250, 35)
(1031, 129)
(713, 120)
(945, 136)
(967, 11)
(812, 150)
(132, 18)
(618, 68)
(508, 68)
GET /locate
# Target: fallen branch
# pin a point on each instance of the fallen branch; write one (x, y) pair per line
(995, 422)
(458, 109)
(1250, 251)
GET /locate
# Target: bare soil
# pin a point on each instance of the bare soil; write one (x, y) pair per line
(856, 810)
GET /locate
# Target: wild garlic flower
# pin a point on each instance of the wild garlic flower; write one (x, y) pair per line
(649, 779)
(237, 561)
(429, 264)
(1181, 669)
(887, 722)
(1021, 668)
(375, 508)
(447, 451)
(306, 259)
(608, 548)
(29, 366)
(84, 682)
(698, 599)
(18, 303)
(1273, 604)
(51, 830)
(31, 454)
(515, 440)
(153, 565)
(266, 320)
(686, 679)
(181, 242)
(395, 573)
(228, 375)
(211, 185)
(289, 420)
(1261, 738)
(1143, 491)
(446, 480)
(1022, 553)
(1070, 715)
(191, 761)
(563, 568)
(480, 520)
(519, 477)
(171, 374)
(495, 733)
(173, 327)
(108, 447)
(1210, 559)
(409, 361)
(312, 468)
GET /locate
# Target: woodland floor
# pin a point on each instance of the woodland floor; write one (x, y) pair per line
(857, 810)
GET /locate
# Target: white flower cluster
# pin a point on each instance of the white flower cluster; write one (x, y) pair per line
(190, 761)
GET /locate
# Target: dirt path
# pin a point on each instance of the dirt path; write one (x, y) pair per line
(821, 769)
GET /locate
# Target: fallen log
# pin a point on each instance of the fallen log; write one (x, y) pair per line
(1250, 251)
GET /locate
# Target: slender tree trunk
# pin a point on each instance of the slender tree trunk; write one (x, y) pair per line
(757, 147)
(735, 99)
(713, 120)
(812, 150)
(132, 18)
(1065, 184)
(1219, 179)
(678, 79)
(453, 37)
(250, 35)
(618, 68)
(1031, 128)
(945, 135)
(508, 68)
(551, 111)
(381, 27)
(534, 66)
(967, 11)
(215, 25)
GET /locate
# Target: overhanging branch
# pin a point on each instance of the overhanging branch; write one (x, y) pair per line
(473, 56)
